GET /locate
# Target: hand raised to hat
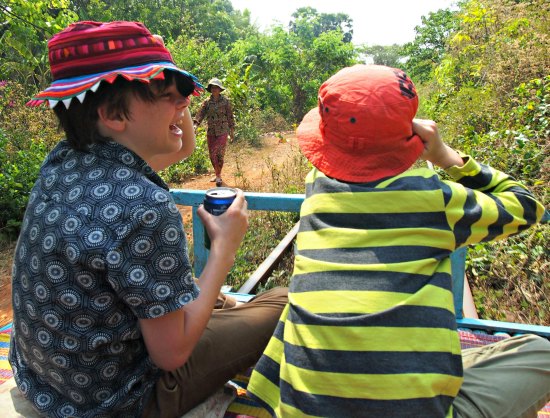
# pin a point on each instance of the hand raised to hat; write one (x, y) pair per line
(435, 150)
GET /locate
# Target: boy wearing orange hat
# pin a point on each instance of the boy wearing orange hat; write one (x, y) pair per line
(370, 330)
(108, 319)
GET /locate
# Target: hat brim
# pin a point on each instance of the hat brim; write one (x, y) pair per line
(349, 167)
(65, 90)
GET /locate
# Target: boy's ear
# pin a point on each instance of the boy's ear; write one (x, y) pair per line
(110, 120)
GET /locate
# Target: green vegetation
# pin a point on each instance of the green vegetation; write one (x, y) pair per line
(481, 70)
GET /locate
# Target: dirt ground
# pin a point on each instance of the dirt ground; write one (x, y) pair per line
(245, 167)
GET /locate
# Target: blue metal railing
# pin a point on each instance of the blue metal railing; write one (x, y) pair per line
(291, 203)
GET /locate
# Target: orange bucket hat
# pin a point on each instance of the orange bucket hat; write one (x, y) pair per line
(361, 130)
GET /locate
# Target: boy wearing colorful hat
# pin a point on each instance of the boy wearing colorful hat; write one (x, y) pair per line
(370, 330)
(108, 319)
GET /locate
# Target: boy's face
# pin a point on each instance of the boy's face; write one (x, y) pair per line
(152, 126)
(215, 90)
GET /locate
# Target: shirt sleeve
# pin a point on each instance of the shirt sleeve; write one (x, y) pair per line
(149, 266)
(484, 204)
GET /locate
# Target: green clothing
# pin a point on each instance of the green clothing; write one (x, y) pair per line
(370, 326)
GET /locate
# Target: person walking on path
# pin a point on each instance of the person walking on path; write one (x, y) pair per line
(108, 318)
(221, 125)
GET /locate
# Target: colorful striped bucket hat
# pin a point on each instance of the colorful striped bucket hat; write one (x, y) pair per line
(87, 53)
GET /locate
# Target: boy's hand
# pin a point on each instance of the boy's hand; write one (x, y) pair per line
(435, 150)
(227, 230)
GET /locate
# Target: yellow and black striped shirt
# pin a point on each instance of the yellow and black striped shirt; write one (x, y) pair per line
(370, 330)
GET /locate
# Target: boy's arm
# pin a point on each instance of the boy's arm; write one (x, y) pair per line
(482, 204)
(162, 161)
(201, 113)
(171, 338)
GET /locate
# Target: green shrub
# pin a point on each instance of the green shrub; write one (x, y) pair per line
(197, 163)
(18, 173)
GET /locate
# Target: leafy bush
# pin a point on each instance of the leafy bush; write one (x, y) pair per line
(18, 173)
(197, 163)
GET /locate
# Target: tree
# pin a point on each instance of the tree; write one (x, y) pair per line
(26, 28)
(430, 44)
(392, 55)
(308, 24)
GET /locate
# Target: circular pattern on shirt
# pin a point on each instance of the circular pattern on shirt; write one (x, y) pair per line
(95, 174)
(22, 252)
(166, 263)
(44, 337)
(134, 299)
(108, 371)
(83, 322)
(76, 397)
(61, 360)
(114, 258)
(86, 279)
(56, 272)
(70, 343)
(115, 348)
(40, 208)
(173, 208)
(81, 379)
(123, 231)
(88, 160)
(84, 209)
(142, 246)
(71, 224)
(66, 410)
(41, 292)
(56, 376)
(150, 218)
(170, 235)
(36, 367)
(127, 158)
(72, 252)
(23, 278)
(122, 174)
(23, 386)
(102, 301)
(42, 400)
(50, 181)
(99, 339)
(161, 196)
(156, 310)
(49, 243)
(32, 197)
(69, 164)
(132, 191)
(71, 178)
(69, 299)
(52, 216)
(96, 262)
(114, 319)
(53, 319)
(31, 312)
(101, 394)
(184, 298)
(162, 290)
(56, 197)
(37, 354)
(101, 191)
(34, 232)
(74, 194)
(88, 359)
(95, 237)
(110, 212)
(34, 264)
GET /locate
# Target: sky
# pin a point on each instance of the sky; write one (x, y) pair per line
(375, 22)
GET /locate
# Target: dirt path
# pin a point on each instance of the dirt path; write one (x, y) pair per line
(245, 167)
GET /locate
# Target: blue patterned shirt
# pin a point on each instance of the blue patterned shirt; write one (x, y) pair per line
(102, 244)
